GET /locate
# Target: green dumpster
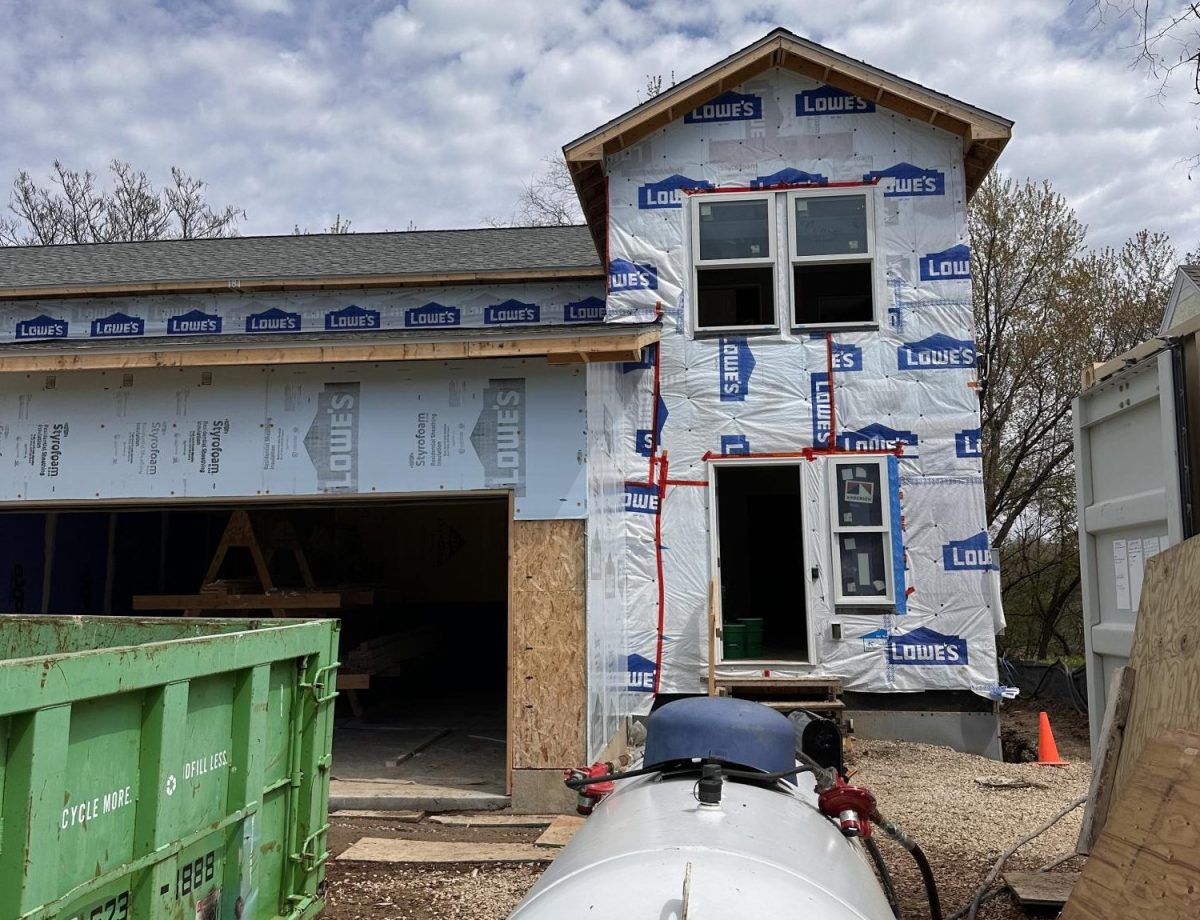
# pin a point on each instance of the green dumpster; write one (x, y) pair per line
(164, 768)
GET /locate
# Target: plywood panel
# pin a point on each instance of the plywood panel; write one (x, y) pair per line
(547, 666)
(1146, 863)
(1166, 656)
(392, 850)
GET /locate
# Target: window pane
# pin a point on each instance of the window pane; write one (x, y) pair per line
(864, 572)
(734, 230)
(735, 297)
(827, 226)
(827, 294)
(859, 495)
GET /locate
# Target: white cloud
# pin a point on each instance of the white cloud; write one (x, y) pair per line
(436, 111)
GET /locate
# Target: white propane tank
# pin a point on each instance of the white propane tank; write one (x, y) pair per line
(651, 850)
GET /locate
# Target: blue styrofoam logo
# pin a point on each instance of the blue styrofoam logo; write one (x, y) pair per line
(876, 437)
(789, 176)
(822, 421)
(273, 320)
(736, 364)
(907, 181)
(919, 647)
(118, 326)
(351, 318)
(511, 311)
(194, 322)
(624, 275)
(41, 327)
(646, 440)
(829, 100)
(974, 554)
(640, 673)
(969, 443)
(431, 316)
(588, 310)
(668, 192)
(730, 106)
(953, 264)
(734, 444)
(640, 498)
(847, 357)
(937, 352)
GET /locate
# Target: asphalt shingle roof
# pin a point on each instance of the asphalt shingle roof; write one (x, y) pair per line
(247, 258)
(1193, 273)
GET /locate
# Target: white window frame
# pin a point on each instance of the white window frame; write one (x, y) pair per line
(871, 256)
(714, 548)
(836, 528)
(771, 260)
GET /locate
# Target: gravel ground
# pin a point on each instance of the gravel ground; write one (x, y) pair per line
(952, 804)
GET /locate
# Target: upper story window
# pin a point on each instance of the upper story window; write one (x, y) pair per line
(732, 243)
(830, 269)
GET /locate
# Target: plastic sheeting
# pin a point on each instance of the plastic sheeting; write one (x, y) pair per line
(225, 315)
(906, 389)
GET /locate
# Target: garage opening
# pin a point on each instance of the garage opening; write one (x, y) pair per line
(760, 552)
(421, 589)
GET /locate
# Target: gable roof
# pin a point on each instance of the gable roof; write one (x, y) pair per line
(984, 134)
(1183, 303)
(297, 262)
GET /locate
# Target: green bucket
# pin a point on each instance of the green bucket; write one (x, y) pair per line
(754, 635)
(734, 640)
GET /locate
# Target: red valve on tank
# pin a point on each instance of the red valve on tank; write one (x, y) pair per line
(591, 794)
(850, 806)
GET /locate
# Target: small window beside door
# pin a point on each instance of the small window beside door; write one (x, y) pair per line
(860, 512)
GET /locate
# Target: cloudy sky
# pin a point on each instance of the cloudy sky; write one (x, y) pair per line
(434, 111)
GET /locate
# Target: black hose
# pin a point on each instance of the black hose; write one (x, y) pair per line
(578, 783)
(918, 855)
(885, 877)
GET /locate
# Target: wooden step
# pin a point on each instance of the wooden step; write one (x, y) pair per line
(790, 683)
(827, 705)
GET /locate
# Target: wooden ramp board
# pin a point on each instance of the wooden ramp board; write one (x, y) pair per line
(404, 816)
(1041, 889)
(379, 849)
(560, 831)
(494, 820)
(1145, 864)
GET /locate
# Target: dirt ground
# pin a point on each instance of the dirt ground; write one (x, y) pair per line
(962, 809)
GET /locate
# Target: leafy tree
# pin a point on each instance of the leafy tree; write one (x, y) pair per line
(74, 208)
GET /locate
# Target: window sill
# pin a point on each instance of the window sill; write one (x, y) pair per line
(712, 332)
(874, 610)
(808, 329)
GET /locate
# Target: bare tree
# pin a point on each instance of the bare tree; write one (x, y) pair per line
(72, 208)
(340, 225)
(546, 200)
(1168, 40)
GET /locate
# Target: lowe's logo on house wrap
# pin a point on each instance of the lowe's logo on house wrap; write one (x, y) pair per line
(876, 437)
(668, 192)
(728, 106)
(641, 499)
(938, 352)
(588, 310)
(117, 326)
(736, 365)
(512, 311)
(734, 444)
(789, 176)
(41, 327)
(847, 357)
(953, 264)
(332, 438)
(273, 320)
(907, 181)
(969, 443)
(821, 409)
(499, 435)
(919, 647)
(974, 554)
(829, 100)
(644, 439)
(624, 275)
(645, 360)
(194, 322)
(640, 673)
(431, 315)
(351, 318)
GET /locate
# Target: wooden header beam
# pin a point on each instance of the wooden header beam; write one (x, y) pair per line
(558, 350)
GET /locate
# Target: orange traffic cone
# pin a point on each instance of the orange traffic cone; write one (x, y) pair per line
(1047, 749)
